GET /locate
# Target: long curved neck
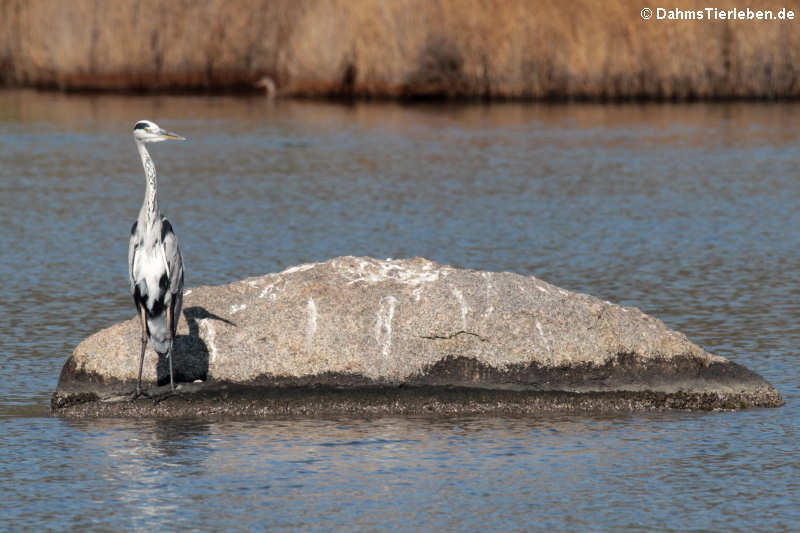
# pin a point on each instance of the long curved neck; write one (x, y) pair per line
(150, 205)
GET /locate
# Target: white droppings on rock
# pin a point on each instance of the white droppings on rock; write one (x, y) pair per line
(235, 308)
(541, 334)
(311, 326)
(417, 293)
(489, 306)
(543, 289)
(269, 290)
(209, 338)
(375, 270)
(383, 325)
(299, 268)
(462, 304)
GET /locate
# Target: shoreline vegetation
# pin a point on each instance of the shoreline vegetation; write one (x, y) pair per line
(404, 49)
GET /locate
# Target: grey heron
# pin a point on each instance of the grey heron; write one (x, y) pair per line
(154, 260)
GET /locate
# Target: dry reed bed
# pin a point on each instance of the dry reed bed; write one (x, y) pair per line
(544, 49)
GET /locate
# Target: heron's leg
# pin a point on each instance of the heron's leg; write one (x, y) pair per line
(171, 379)
(169, 352)
(143, 323)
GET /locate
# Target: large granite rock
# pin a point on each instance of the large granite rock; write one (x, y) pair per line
(361, 334)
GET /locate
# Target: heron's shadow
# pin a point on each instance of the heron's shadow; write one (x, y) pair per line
(190, 351)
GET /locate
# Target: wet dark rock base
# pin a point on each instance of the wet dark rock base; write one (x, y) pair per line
(455, 386)
(226, 401)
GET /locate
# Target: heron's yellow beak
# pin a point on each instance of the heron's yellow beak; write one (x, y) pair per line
(171, 136)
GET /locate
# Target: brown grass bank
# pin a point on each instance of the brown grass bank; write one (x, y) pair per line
(538, 49)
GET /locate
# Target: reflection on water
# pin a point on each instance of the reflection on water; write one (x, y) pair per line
(686, 211)
(647, 472)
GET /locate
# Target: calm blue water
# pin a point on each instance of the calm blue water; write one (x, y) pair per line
(688, 212)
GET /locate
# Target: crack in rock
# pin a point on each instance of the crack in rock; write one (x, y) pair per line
(454, 335)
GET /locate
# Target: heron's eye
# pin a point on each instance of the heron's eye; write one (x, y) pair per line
(140, 126)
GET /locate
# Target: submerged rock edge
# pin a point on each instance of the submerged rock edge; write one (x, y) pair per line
(319, 402)
(448, 388)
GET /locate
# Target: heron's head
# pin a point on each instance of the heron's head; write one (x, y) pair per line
(149, 132)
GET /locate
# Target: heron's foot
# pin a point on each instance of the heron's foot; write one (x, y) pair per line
(135, 395)
(160, 397)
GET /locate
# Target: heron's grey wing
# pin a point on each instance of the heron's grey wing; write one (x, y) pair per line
(132, 248)
(172, 254)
